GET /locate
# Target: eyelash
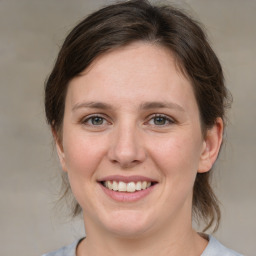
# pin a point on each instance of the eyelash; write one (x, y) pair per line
(89, 119)
(165, 118)
(86, 120)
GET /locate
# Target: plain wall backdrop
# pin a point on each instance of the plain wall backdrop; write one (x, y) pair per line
(31, 34)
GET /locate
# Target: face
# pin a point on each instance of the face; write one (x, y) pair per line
(132, 142)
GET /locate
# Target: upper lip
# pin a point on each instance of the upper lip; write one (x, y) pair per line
(126, 179)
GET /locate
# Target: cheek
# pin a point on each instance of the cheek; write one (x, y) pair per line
(176, 152)
(177, 158)
(82, 153)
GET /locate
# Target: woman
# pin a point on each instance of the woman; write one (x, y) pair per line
(136, 102)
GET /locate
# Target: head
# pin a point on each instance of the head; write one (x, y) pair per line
(163, 26)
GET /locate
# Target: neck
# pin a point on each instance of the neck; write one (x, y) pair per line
(180, 241)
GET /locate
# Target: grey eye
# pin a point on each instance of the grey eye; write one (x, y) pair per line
(97, 120)
(159, 120)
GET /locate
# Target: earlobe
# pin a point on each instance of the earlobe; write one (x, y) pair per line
(59, 148)
(211, 147)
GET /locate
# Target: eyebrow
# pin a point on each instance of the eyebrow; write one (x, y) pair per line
(143, 106)
(92, 104)
(156, 104)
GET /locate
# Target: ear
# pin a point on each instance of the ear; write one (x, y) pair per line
(59, 148)
(211, 147)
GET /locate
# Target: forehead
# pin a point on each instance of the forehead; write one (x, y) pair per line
(145, 55)
(139, 71)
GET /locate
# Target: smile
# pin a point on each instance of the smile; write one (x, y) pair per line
(129, 187)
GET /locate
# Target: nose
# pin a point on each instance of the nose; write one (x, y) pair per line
(126, 147)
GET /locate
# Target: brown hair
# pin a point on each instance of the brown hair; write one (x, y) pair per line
(137, 20)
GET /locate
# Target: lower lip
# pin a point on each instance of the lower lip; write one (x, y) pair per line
(127, 196)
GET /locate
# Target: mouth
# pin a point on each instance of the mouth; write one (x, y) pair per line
(129, 187)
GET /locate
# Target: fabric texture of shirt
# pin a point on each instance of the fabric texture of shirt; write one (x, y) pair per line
(214, 248)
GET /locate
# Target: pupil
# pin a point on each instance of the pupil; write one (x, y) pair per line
(97, 120)
(159, 120)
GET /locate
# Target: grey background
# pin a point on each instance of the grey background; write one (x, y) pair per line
(31, 33)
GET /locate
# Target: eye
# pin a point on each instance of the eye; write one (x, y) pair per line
(160, 120)
(95, 120)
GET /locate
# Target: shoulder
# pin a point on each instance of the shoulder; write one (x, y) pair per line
(215, 248)
(69, 250)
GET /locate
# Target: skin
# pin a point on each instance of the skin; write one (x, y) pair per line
(128, 140)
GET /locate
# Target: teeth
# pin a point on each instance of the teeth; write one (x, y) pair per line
(138, 186)
(127, 187)
(115, 186)
(131, 187)
(108, 184)
(122, 186)
(144, 185)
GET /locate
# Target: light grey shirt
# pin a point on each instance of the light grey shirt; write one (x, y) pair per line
(214, 248)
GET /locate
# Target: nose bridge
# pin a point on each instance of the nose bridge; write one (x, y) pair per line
(126, 145)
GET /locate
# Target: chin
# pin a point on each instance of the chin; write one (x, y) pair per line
(129, 224)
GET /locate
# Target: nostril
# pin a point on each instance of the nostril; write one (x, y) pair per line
(125, 164)
(126, 149)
